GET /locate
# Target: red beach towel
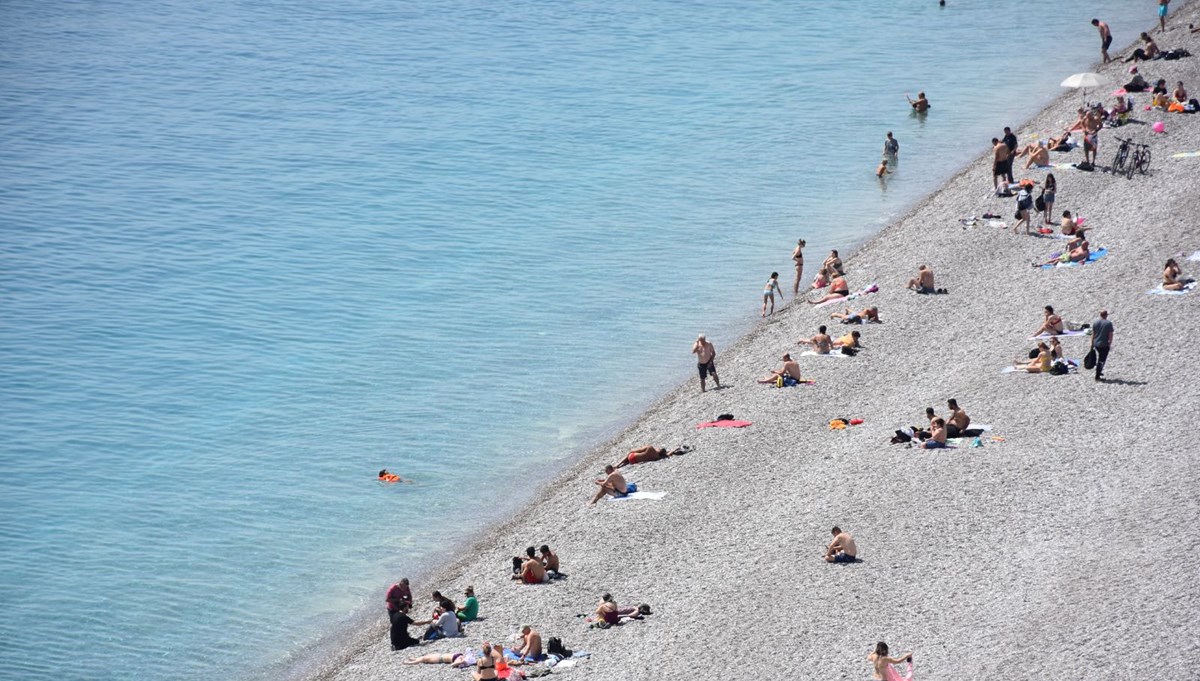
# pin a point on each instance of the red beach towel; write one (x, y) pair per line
(723, 424)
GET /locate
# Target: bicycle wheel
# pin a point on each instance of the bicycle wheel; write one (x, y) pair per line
(1144, 161)
(1131, 167)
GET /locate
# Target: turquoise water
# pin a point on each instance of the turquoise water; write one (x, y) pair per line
(253, 252)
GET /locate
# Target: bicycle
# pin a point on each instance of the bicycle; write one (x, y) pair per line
(1140, 162)
(1118, 164)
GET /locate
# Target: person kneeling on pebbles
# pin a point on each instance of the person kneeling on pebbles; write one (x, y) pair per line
(613, 484)
(842, 549)
(790, 369)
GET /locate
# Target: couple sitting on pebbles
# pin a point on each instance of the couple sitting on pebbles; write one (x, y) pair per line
(823, 344)
(534, 570)
(608, 614)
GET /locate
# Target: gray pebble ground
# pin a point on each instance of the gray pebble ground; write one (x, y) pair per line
(1069, 551)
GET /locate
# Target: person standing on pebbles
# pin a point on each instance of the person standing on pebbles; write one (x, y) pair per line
(1102, 336)
(798, 259)
(706, 355)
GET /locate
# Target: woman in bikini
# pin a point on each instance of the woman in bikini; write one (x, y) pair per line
(1049, 187)
(798, 258)
(485, 667)
(1038, 365)
(882, 664)
(1052, 324)
(1171, 281)
(838, 288)
(769, 291)
(454, 659)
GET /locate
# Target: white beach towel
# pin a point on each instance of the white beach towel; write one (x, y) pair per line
(1194, 256)
(810, 353)
(1064, 334)
(633, 496)
(1160, 291)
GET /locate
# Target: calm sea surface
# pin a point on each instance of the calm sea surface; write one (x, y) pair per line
(253, 252)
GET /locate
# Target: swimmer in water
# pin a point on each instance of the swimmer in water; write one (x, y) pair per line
(882, 169)
(389, 478)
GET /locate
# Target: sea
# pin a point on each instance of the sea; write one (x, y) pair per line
(251, 253)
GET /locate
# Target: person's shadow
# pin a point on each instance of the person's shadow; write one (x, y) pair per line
(1122, 381)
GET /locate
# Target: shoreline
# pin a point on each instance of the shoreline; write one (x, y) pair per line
(363, 656)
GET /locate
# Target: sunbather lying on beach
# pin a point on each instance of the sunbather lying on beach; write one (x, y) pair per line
(790, 369)
(1170, 276)
(612, 484)
(1078, 250)
(838, 288)
(850, 340)
(452, 659)
(821, 343)
(648, 453)
(869, 315)
(937, 438)
(1052, 324)
(882, 664)
(1039, 364)
(842, 549)
(608, 612)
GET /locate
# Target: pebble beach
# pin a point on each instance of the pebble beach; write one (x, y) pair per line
(1065, 547)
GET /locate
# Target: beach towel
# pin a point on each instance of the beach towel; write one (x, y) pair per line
(634, 496)
(1160, 291)
(857, 294)
(1072, 365)
(890, 673)
(1194, 256)
(723, 424)
(1186, 154)
(813, 353)
(1064, 334)
(1092, 257)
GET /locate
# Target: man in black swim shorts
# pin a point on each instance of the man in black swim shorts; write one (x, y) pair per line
(706, 355)
(1105, 38)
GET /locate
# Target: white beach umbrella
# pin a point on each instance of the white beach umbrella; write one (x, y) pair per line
(1084, 81)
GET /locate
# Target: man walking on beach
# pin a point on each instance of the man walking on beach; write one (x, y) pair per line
(705, 355)
(1102, 335)
(1105, 38)
(1001, 164)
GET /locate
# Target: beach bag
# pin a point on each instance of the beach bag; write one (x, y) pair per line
(1059, 368)
(725, 417)
(779, 381)
(1089, 362)
(1040, 204)
(1033, 353)
(555, 647)
(847, 350)
(1085, 166)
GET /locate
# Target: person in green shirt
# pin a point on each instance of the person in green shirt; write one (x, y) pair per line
(470, 609)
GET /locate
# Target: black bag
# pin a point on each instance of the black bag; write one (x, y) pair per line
(1085, 165)
(1089, 362)
(1040, 204)
(725, 417)
(1059, 368)
(1033, 353)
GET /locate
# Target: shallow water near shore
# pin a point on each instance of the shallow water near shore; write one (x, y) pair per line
(253, 254)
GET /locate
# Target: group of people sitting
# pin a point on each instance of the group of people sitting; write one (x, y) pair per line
(492, 662)
(830, 276)
(1049, 350)
(534, 569)
(444, 622)
(938, 430)
(824, 344)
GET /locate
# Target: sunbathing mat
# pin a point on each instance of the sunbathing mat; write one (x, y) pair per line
(858, 294)
(1072, 365)
(1093, 257)
(1194, 256)
(1065, 334)
(1160, 291)
(639, 496)
(723, 424)
(1186, 154)
(812, 353)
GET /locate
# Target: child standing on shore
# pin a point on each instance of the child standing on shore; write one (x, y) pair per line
(769, 291)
